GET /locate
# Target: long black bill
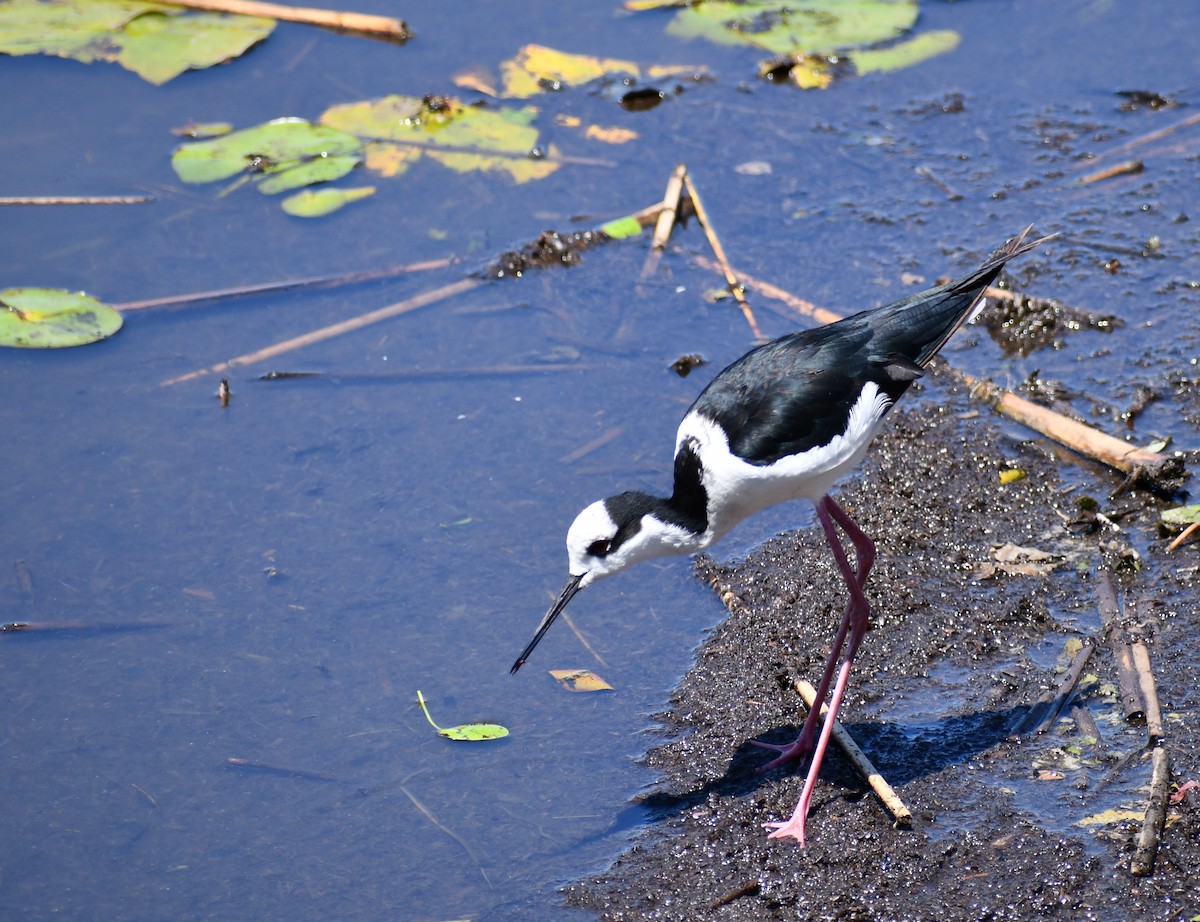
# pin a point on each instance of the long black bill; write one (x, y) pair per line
(564, 597)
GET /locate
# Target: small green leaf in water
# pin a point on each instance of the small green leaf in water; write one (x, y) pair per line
(48, 318)
(313, 203)
(620, 228)
(466, 732)
(160, 46)
(915, 50)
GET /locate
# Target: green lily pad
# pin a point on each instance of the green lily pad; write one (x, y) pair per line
(399, 130)
(283, 154)
(160, 46)
(49, 318)
(808, 25)
(471, 733)
(313, 203)
(154, 41)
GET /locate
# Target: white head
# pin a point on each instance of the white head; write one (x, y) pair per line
(609, 536)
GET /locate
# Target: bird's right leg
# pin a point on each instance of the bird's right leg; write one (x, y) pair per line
(828, 511)
(858, 620)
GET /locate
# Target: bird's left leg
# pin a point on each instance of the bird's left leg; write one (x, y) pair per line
(829, 511)
(858, 618)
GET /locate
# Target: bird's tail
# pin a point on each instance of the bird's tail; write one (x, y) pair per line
(927, 320)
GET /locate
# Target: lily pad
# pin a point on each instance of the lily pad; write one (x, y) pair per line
(783, 28)
(536, 68)
(471, 733)
(399, 130)
(283, 154)
(314, 203)
(154, 41)
(49, 318)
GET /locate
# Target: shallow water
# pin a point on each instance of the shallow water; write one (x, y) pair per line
(287, 572)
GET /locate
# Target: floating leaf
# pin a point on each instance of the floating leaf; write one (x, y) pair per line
(580, 680)
(401, 129)
(156, 42)
(313, 203)
(1108, 817)
(160, 46)
(48, 318)
(808, 26)
(283, 154)
(536, 68)
(620, 228)
(1181, 515)
(915, 50)
(613, 135)
(466, 732)
(1011, 475)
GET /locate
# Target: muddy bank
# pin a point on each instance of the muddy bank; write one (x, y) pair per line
(962, 645)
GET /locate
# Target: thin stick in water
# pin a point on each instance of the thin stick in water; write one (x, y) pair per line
(357, 23)
(667, 218)
(891, 801)
(736, 288)
(1141, 663)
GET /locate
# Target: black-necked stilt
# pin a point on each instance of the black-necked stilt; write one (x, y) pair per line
(784, 421)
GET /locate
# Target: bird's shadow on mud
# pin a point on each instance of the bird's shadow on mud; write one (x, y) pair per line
(901, 751)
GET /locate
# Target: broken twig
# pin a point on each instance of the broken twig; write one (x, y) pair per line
(357, 23)
(1141, 663)
(1142, 863)
(891, 801)
(666, 221)
(76, 199)
(736, 288)
(1046, 710)
(337, 329)
(316, 281)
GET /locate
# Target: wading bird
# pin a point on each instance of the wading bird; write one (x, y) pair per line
(783, 422)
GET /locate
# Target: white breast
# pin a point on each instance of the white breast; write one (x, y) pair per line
(737, 489)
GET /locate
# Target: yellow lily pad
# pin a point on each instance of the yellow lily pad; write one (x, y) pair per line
(580, 680)
(401, 129)
(1108, 817)
(49, 318)
(536, 68)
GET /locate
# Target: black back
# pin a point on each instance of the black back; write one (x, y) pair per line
(796, 392)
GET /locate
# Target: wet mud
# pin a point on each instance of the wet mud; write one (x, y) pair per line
(964, 642)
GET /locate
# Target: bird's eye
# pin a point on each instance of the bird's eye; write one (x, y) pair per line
(599, 548)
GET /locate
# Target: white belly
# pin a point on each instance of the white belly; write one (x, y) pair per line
(737, 489)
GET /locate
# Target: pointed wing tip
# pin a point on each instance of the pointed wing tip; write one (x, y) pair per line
(515, 666)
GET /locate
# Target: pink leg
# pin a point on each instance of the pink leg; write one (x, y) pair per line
(864, 552)
(858, 617)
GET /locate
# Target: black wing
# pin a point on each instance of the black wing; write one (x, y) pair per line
(796, 392)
